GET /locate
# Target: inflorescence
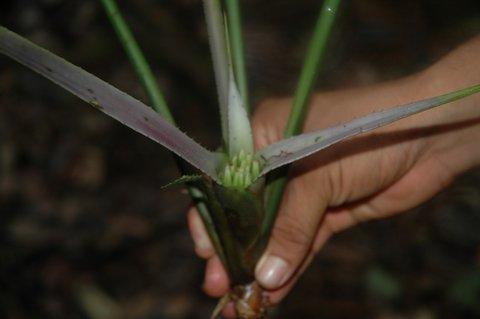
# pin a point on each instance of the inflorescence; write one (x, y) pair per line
(242, 170)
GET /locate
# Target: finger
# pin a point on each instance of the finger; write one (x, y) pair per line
(276, 296)
(292, 235)
(203, 245)
(269, 121)
(323, 234)
(394, 199)
(388, 202)
(216, 282)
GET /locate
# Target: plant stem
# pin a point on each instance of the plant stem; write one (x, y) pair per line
(150, 85)
(311, 67)
(220, 59)
(310, 70)
(137, 59)
(199, 199)
(237, 48)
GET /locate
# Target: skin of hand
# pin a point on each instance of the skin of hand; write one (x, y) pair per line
(371, 176)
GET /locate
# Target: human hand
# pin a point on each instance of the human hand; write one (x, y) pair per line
(371, 176)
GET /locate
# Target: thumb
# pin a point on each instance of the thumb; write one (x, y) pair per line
(292, 235)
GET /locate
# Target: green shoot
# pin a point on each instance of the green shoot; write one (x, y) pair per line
(138, 60)
(310, 70)
(218, 48)
(237, 48)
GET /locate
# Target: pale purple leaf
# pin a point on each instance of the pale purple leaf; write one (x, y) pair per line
(109, 100)
(300, 146)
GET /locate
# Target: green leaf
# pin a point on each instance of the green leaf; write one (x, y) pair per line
(138, 59)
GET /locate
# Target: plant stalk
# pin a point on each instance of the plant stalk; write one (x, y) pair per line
(234, 22)
(137, 59)
(306, 83)
(218, 47)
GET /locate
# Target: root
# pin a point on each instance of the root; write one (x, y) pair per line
(249, 300)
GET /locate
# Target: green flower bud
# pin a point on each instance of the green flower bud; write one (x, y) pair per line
(241, 172)
(255, 168)
(227, 176)
(238, 180)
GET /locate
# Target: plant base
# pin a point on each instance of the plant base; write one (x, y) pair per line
(249, 300)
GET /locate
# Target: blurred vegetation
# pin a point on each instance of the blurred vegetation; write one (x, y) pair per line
(86, 231)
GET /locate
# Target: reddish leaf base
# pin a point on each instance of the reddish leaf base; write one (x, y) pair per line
(249, 300)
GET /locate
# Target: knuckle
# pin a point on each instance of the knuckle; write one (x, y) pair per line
(266, 122)
(335, 183)
(332, 226)
(265, 132)
(365, 212)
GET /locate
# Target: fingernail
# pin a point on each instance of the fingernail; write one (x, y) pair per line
(202, 243)
(200, 237)
(272, 271)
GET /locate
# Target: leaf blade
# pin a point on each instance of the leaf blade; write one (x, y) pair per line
(108, 99)
(300, 146)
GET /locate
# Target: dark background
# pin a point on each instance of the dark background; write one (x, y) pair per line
(86, 232)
